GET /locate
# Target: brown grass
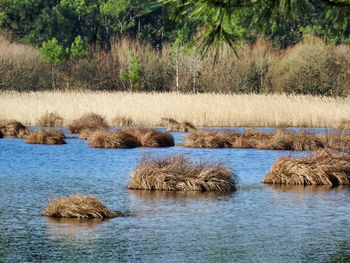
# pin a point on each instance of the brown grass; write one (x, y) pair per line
(344, 124)
(175, 126)
(151, 137)
(113, 139)
(79, 206)
(280, 139)
(210, 139)
(87, 121)
(49, 136)
(177, 173)
(122, 121)
(324, 167)
(85, 134)
(338, 141)
(167, 121)
(14, 129)
(50, 120)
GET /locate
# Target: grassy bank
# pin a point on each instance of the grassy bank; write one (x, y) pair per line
(201, 109)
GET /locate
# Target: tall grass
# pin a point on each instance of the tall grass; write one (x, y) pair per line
(200, 109)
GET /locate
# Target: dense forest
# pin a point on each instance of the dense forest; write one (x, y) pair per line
(77, 35)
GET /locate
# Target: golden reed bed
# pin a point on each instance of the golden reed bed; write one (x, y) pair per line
(200, 109)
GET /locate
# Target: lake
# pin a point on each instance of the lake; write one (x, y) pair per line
(257, 223)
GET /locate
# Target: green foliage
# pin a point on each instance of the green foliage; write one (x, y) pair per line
(78, 48)
(134, 72)
(53, 53)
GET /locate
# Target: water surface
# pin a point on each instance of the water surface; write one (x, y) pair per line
(257, 223)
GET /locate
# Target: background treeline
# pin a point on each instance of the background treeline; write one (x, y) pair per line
(309, 67)
(139, 45)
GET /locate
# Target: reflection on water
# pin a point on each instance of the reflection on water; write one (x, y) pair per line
(72, 228)
(177, 195)
(303, 189)
(257, 223)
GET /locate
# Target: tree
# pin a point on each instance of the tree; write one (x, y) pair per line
(274, 17)
(54, 54)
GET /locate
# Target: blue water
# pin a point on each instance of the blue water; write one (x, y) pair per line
(257, 223)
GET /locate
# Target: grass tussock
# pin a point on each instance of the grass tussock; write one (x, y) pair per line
(122, 121)
(50, 120)
(280, 139)
(148, 137)
(49, 136)
(210, 139)
(175, 126)
(323, 167)
(85, 134)
(79, 206)
(344, 124)
(178, 173)
(87, 121)
(112, 139)
(130, 138)
(14, 129)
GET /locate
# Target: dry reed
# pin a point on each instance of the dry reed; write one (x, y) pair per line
(324, 167)
(50, 120)
(49, 136)
(112, 139)
(250, 110)
(178, 173)
(79, 206)
(14, 129)
(87, 121)
(151, 137)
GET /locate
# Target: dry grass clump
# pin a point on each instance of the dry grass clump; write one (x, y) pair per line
(78, 206)
(338, 141)
(323, 167)
(112, 139)
(210, 139)
(50, 120)
(85, 134)
(175, 126)
(178, 173)
(344, 124)
(122, 121)
(87, 121)
(14, 129)
(280, 139)
(167, 121)
(49, 136)
(151, 137)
